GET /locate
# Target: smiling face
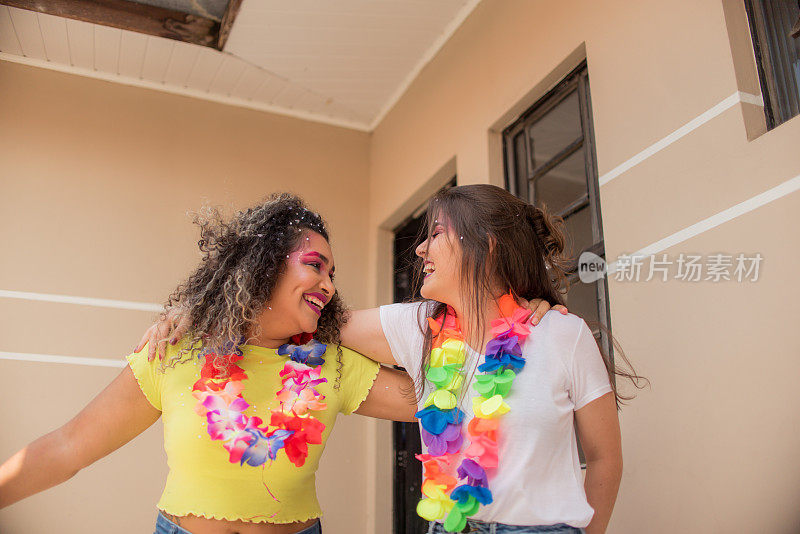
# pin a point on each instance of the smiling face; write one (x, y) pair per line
(302, 291)
(441, 254)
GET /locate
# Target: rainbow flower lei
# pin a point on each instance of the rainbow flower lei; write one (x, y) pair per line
(442, 420)
(291, 428)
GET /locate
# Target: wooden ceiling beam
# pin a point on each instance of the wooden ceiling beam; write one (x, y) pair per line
(142, 18)
(227, 21)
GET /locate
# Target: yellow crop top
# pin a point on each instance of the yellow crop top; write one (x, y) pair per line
(203, 479)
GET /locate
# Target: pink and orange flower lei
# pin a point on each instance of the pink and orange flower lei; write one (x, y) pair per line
(446, 463)
(292, 427)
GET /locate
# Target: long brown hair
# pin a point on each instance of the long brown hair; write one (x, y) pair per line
(506, 243)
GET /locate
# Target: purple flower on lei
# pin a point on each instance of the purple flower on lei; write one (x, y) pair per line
(473, 472)
(507, 343)
(503, 351)
(309, 354)
(263, 446)
(449, 441)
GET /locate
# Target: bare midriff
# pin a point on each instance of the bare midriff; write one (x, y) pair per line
(203, 525)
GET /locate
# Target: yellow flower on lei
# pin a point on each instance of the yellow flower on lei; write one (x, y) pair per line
(437, 504)
(489, 408)
(451, 351)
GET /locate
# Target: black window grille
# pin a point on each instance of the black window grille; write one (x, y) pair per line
(550, 159)
(775, 29)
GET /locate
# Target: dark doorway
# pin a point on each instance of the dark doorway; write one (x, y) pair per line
(407, 444)
(407, 469)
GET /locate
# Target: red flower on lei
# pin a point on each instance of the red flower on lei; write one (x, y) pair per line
(219, 393)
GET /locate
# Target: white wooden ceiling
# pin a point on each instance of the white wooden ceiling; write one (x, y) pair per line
(342, 62)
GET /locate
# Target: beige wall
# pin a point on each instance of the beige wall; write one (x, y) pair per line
(710, 448)
(95, 182)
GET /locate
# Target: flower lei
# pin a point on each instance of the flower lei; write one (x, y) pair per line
(291, 428)
(442, 420)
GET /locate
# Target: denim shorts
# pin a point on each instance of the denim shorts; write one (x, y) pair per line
(165, 526)
(479, 527)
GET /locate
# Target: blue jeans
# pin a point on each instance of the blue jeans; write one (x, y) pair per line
(165, 526)
(480, 527)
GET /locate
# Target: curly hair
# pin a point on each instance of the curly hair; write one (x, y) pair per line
(242, 259)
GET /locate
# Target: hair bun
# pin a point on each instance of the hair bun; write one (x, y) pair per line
(551, 233)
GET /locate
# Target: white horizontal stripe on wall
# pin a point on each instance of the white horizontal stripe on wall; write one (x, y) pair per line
(724, 216)
(83, 301)
(52, 358)
(706, 224)
(787, 187)
(693, 124)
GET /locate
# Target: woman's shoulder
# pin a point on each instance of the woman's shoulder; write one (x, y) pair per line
(556, 319)
(405, 312)
(354, 373)
(558, 330)
(153, 376)
(415, 306)
(174, 356)
(349, 356)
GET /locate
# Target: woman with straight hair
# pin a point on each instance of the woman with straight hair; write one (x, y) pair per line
(501, 402)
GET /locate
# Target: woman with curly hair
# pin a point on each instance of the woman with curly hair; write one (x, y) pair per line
(242, 458)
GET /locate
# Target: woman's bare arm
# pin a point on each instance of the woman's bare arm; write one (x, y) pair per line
(114, 417)
(598, 430)
(363, 332)
(390, 397)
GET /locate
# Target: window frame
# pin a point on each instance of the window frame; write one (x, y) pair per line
(576, 81)
(776, 111)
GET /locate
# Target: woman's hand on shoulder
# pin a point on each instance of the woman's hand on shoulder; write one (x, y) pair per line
(170, 330)
(538, 307)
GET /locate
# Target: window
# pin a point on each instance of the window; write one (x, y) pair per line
(775, 28)
(550, 159)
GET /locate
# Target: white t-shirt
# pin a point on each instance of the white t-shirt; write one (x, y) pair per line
(538, 480)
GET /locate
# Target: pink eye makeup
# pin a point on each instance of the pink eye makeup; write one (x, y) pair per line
(317, 260)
